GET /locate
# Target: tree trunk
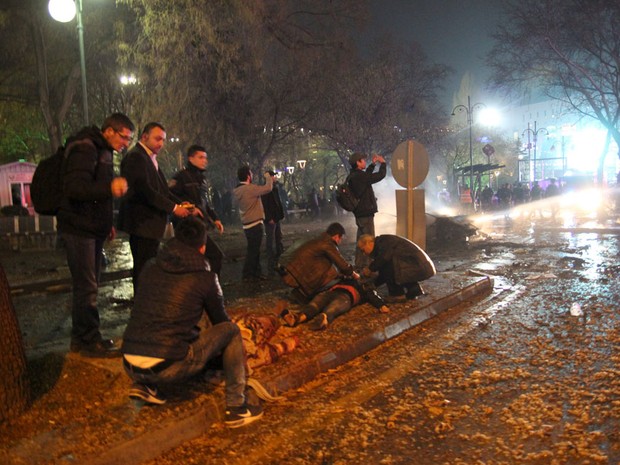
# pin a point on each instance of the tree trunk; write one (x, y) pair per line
(14, 383)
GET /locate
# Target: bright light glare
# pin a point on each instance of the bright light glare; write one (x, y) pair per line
(588, 200)
(62, 11)
(489, 117)
(128, 80)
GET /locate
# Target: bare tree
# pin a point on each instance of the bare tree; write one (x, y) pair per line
(376, 100)
(568, 49)
(14, 384)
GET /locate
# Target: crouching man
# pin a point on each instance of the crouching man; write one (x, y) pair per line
(399, 263)
(178, 323)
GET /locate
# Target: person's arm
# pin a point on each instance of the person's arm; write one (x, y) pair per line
(79, 177)
(337, 259)
(214, 301)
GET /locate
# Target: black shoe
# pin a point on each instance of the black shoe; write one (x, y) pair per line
(415, 291)
(243, 415)
(104, 348)
(147, 393)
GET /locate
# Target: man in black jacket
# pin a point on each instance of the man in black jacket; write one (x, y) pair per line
(85, 222)
(143, 213)
(274, 213)
(178, 323)
(361, 180)
(190, 185)
(399, 263)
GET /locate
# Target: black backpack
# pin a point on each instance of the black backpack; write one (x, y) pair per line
(345, 197)
(46, 186)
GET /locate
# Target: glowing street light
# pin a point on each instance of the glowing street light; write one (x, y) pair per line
(64, 11)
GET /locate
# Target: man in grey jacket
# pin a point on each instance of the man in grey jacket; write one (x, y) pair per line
(248, 199)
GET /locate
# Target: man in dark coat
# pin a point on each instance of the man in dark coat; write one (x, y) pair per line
(85, 222)
(361, 180)
(318, 264)
(190, 185)
(178, 323)
(400, 265)
(274, 214)
(143, 213)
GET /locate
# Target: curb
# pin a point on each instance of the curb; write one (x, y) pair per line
(175, 432)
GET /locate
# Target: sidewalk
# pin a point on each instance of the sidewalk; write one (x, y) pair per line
(112, 429)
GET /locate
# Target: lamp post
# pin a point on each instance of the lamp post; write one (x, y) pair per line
(533, 132)
(469, 111)
(64, 11)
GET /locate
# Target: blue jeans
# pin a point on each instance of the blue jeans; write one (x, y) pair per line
(365, 225)
(273, 245)
(84, 257)
(223, 338)
(251, 266)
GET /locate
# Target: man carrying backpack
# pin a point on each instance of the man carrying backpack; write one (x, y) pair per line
(85, 222)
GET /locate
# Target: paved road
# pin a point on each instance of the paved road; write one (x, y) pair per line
(513, 379)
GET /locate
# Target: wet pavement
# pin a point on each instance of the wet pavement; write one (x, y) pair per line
(506, 254)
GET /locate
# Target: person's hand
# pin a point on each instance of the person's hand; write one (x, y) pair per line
(219, 226)
(366, 272)
(378, 158)
(355, 275)
(180, 211)
(119, 187)
(267, 175)
(197, 212)
(384, 309)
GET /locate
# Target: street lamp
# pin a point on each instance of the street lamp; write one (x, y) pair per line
(533, 132)
(64, 11)
(469, 111)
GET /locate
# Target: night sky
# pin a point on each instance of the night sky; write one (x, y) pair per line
(451, 32)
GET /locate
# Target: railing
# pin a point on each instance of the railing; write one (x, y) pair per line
(27, 232)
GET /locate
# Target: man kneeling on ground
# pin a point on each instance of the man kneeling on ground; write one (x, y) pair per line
(399, 263)
(179, 323)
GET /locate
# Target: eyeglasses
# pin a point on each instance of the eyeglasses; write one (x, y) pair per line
(125, 137)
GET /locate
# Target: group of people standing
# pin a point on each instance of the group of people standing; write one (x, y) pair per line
(178, 321)
(510, 195)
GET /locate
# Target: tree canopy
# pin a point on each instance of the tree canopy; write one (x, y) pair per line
(568, 49)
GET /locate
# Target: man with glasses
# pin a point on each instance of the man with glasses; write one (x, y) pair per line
(190, 185)
(143, 213)
(85, 222)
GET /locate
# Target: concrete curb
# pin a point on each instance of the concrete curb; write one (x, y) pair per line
(179, 430)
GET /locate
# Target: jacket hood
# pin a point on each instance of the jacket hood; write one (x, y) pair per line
(176, 257)
(94, 134)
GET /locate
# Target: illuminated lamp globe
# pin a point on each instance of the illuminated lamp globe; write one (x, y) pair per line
(62, 11)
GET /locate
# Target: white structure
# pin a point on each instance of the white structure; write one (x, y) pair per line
(557, 142)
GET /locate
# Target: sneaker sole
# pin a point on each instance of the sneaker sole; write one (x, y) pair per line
(243, 421)
(147, 399)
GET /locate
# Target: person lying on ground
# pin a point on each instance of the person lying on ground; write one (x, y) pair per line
(337, 300)
(179, 323)
(399, 263)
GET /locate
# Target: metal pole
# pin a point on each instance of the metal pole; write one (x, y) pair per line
(80, 30)
(471, 150)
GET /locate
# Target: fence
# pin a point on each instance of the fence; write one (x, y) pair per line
(27, 232)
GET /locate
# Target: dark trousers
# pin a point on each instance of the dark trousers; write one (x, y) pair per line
(142, 250)
(273, 245)
(84, 258)
(254, 236)
(365, 225)
(386, 276)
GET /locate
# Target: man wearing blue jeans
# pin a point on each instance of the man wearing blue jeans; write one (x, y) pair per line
(179, 323)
